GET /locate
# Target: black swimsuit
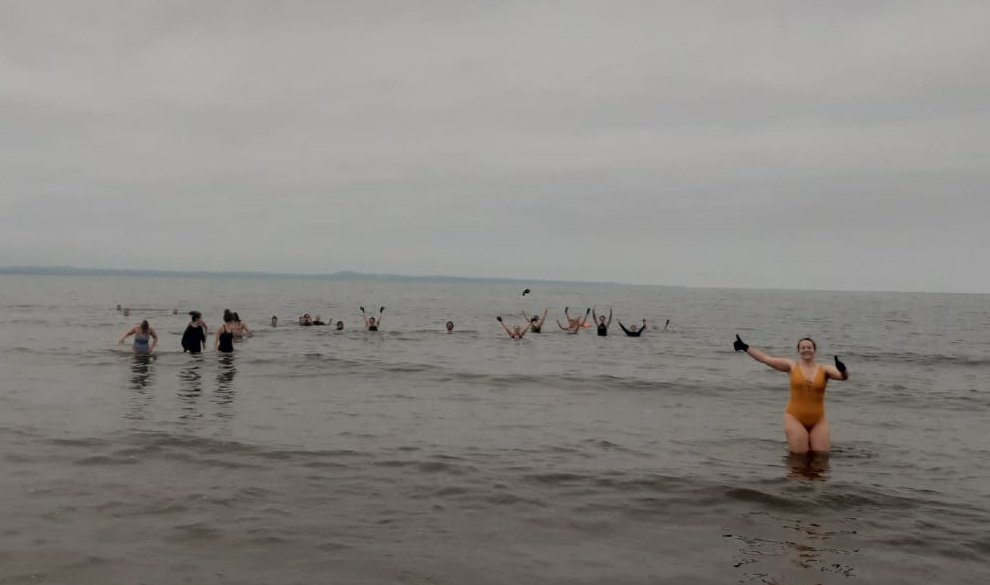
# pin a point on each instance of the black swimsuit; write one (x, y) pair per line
(602, 330)
(226, 342)
(193, 338)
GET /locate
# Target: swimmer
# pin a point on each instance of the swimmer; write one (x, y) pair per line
(224, 341)
(306, 320)
(516, 332)
(240, 328)
(127, 311)
(602, 325)
(805, 425)
(633, 331)
(574, 326)
(340, 325)
(450, 326)
(194, 337)
(318, 321)
(369, 322)
(274, 321)
(142, 333)
(536, 323)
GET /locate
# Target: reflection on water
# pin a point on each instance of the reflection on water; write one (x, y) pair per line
(141, 370)
(809, 465)
(141, 377)
(227, 369)
(190, 388)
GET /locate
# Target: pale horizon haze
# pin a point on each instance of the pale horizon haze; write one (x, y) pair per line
(815, 145)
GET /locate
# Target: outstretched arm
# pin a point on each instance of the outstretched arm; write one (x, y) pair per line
(544, 317)
(585, 318)
(623, 327)
(609, 316)
(561, 326)
(500, 322)
(781, 364)
(365, 317)
(522, 333)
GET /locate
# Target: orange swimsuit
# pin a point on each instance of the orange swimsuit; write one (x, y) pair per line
(807, 402)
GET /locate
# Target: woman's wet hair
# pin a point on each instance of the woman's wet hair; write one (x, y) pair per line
(227, 316)
(195, 315)
(814, 345)
(237, 317)
(145, 326)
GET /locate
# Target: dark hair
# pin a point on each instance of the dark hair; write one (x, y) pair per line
(145, 326)
(228, 316)
(451, 323)
(813, 344)
(195, 314)
(534, 319)
(237, 317)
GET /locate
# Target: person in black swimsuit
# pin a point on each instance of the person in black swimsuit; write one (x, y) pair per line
(633, 331)
(602, 324)
(194, 337)
(369, 322)
(225, 334)
(536, 323)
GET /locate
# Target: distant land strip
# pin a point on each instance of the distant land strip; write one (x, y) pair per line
(346, 275)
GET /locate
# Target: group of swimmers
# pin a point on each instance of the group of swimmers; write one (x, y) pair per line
(805, 426)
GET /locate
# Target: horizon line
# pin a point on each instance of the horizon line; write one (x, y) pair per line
(64, 270)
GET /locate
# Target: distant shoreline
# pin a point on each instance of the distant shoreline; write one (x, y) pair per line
(352, 276)
(345, 275)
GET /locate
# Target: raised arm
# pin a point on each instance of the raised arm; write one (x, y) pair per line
(838, 371)
(584, 319)
(365, 317)
(381, 311)
(781, 364)
(621, 326)
(594, 316)
(609, 316)
(561, 326)
(500, 322)
(522, 333)
(544, 317)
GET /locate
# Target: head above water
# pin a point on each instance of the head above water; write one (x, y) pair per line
(449, 325)
(145, 326)
(371, 320)
(195, 315)
(228, 317)
(340, 325)
(806, 345)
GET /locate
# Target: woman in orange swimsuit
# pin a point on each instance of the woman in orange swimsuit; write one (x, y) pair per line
(804, 420)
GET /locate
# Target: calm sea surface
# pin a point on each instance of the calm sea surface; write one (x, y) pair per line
(414, 456)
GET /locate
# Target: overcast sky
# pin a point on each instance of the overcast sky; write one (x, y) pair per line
(832, 144)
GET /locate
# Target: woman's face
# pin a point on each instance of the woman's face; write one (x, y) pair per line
(450, 325)
(371, 320)
(806, 349)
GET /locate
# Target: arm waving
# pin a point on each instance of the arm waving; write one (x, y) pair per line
(781, 364)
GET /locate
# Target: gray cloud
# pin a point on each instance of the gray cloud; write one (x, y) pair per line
(804, 145)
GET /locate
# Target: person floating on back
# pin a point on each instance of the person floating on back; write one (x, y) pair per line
(633, 331)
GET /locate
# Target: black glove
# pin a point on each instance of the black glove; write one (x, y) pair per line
(362, 309)
(499, 318)
(739, 344)
(839, 365)
(565, 310)
(588, 311)
(381, 309)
